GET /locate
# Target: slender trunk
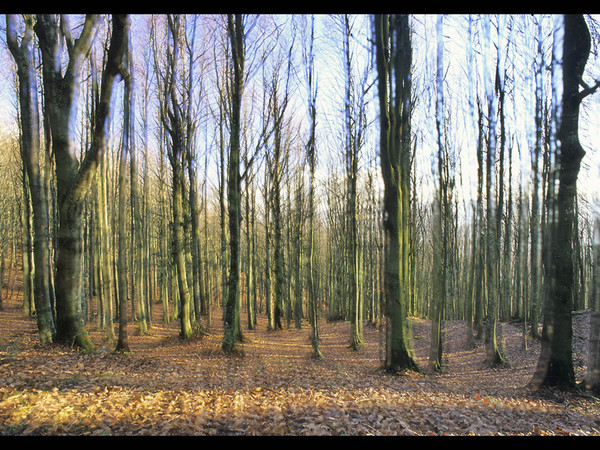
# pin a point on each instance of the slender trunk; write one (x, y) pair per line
(179, 252)
(27, 263)
(313, 311)
(123, 297)
(250, 286)
(107, 288)
(232, 333)
(30, 143)
(493, 356)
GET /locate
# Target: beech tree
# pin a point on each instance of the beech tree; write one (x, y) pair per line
(311, 155)
(441, 213)
(122, 278)
(394, 58)
(173, 112)
(572, 46)
(23, 54)
(232, 333)
(74, 177)
(493, 356)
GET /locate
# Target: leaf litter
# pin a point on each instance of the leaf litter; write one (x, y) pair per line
(272, 386)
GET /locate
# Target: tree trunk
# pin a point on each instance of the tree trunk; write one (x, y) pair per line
(555, 365)
(440, 217)
(30, 143)
(535, 224)
(123, 297)
(179, 252)
(250, 286)
(232, 333)
(592, 378)
(493, 356)
(72, 178)
(394, 118)
(355, 306)
(313, 311)
(108, 291)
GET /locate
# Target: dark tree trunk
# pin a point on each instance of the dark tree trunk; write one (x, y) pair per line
(394, 135)
(555, 365)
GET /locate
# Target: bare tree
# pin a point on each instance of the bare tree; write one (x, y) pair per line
(73, 178)
(232, 333)
(555, 364)
(30, 153)
(393, 44)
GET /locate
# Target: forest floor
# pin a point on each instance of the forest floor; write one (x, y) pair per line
(272, 385)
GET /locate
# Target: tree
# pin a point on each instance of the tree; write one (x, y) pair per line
(73, 178)
(276, 164)
(493, 356)
(534, 224)
(232, 333)
(393, 44)
(311, 156)
(194, 209)
(555, 364)
(355, 118)
(138, 293)
(440, 215)
(174, 120)
(30, 153)
(126, 149)
(592, 378)
(106, 288)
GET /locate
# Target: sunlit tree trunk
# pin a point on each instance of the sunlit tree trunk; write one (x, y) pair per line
(250, 232)
(276, 217)
(123, 297)
(172, 115)
(123, 269)
(352, 144)
(194, 209)
(108, 291)
(106, 288)
(138, 291)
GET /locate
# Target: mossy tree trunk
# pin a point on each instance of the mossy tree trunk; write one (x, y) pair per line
(232, 332)
(392, 35)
